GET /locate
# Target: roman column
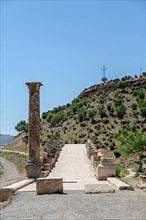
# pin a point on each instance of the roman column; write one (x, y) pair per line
(34, 166)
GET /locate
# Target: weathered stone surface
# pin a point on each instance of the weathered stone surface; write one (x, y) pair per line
(98, 188)
(44, 173)
(6, 193)
(47, 166)
(105, 169)
(119, 184)
(49, 186)
(34, 121)
(33, 170)
(33, 167)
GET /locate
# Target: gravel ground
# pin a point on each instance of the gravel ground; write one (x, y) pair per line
(75, 205)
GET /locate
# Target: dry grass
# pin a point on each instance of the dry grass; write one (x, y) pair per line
(16, 158)
(5, 203)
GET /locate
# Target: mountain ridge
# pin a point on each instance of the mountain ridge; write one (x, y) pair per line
(5, 139)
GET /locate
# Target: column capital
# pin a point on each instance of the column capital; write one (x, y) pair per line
(33, 86)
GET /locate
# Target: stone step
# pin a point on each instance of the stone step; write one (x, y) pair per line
(119, 184)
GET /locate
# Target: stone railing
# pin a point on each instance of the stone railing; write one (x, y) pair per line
(103, 167)
(50, 156)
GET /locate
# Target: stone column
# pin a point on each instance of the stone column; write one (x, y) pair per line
(34, 166)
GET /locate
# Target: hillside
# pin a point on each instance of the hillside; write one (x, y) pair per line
(97, 113)
(5, 139)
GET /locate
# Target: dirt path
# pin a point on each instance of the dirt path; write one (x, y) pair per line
(10, 172)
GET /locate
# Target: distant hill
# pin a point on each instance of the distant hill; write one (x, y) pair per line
(5, 139)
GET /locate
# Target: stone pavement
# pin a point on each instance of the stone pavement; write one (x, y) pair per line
(74, 167)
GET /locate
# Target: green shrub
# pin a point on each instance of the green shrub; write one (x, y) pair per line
(121, 84)
(82, 135)
(134, 106)
(118, 101)
(121, 171)
(121, 110)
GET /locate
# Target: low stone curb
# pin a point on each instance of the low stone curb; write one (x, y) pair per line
(120, 185)
(7, 191)
(20, 184)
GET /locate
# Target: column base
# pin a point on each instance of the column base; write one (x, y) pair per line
(33, 169)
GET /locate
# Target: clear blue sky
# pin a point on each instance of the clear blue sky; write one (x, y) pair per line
(64, 45)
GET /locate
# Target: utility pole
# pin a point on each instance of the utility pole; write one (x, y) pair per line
(140, 70)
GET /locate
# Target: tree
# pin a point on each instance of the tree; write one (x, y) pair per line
(141, 93)
(118, 101)
(143, 109)
(91, 114)
(134, 106)
(104, 79)
(144, 73)
(110, 107)
(121, 110)
(132, 143)
(121, 84)
(22, 126)
(81, 114)
(102, 111)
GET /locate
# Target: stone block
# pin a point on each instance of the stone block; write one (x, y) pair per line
(48, 160)
(47, 166)
(6, 193)
(105, 161)
(45, 155)
(33, 170)
(95, 164)
(42, 160)
(49, 185)
(106, 170)
(98, 188)
(44, 173)
(94, 158)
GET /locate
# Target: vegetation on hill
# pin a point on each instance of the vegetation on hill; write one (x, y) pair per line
(99, 113)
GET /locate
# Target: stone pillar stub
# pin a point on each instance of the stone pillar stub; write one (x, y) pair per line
(33, 166)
